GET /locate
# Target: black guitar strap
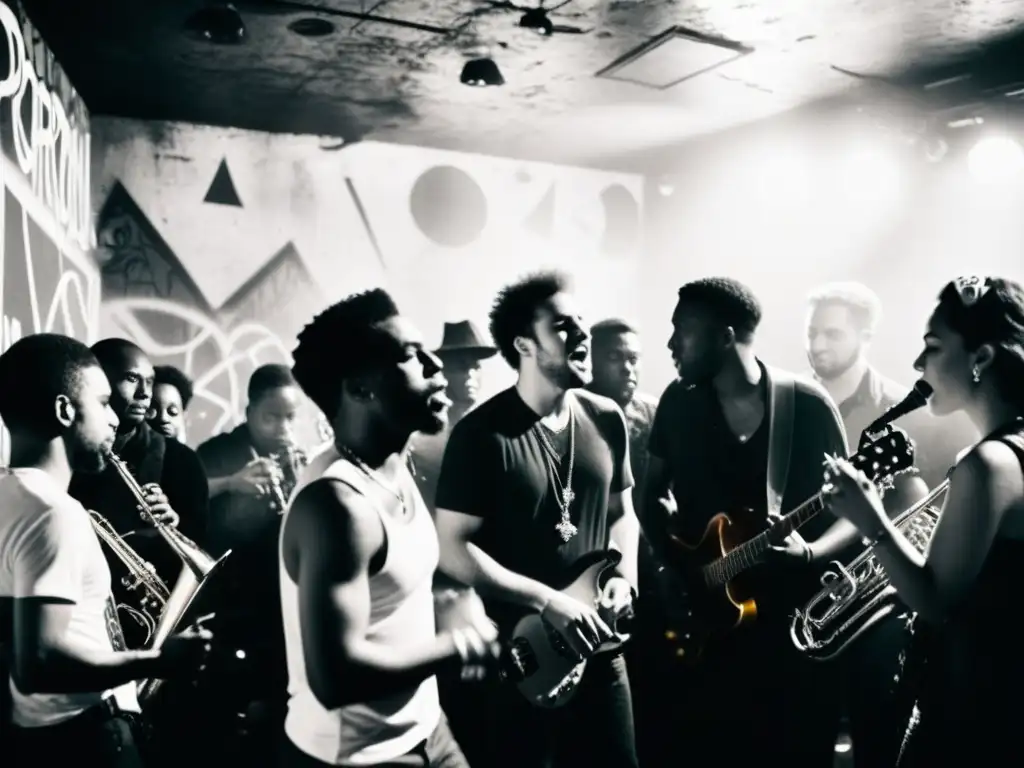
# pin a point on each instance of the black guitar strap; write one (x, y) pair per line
(781, 396)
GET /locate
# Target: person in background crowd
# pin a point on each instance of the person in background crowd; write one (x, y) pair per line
(358, 554)
(71, 679)
(534, 479)
(462, 351)
(964, 665)
(172, 392)
(252, 470)
(617, 358)
(168, 472)
(842, 320)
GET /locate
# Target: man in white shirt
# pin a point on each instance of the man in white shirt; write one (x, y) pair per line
(72, 684)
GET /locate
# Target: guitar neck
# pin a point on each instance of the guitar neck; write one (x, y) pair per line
(748, 554)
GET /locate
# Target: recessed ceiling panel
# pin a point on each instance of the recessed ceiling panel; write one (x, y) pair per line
(672, 57)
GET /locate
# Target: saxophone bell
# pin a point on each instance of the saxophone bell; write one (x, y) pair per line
(198, 568)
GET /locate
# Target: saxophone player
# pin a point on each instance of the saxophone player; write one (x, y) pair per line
(72, 687)
(168, 471)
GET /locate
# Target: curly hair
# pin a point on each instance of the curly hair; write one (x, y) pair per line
(33, 372)
(340, 342)
(515, 308)
(996, 318)
(860, 301)
(173, 377)
(728, 301)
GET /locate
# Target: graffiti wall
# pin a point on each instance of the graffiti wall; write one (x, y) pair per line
(50, 282)
(216, 246)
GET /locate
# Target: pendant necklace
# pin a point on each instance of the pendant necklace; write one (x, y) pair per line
(372, 474)
(564, 494)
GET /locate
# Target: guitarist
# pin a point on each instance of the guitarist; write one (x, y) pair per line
(533, 479)
(710, 445)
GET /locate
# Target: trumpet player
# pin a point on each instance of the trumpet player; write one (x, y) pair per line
(168, 472)
(964, 665)
(248, 465)
(74, 700)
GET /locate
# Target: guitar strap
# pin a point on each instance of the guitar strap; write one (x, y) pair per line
(781, 396)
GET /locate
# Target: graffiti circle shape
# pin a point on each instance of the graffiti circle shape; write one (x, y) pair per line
(448, 206)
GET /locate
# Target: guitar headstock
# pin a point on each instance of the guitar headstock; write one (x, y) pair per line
(883, 456)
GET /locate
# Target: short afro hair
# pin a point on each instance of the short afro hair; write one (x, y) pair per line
(267, 378)
(33, 372)
(112, 352)
(728, 302)
(515, 309)
(173, 377)
(340, 342)
(861, 302)
(604, 332)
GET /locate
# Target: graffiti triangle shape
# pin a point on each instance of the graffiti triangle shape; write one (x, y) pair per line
(541, 220)
(222, 189)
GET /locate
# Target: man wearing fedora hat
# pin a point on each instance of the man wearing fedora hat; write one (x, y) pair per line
(462, 351)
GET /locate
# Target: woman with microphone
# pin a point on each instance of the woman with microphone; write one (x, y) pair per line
(970, 668)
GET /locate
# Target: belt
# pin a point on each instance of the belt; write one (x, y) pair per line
(108, 709)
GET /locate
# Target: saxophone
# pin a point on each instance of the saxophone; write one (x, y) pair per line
(197, 568)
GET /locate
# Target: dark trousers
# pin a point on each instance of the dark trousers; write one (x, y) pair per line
(750, 701)
(440, 750)
(498, 728)
(877, 715)
(99, 737)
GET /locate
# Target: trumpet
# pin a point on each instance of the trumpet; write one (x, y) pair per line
(857, 596)
(288, 461)
(197, 568)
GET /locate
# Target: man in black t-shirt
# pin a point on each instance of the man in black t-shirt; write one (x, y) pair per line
(531, 480)
(709, 447)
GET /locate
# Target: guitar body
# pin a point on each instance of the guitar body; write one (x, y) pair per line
(546, 673)
(710, 612)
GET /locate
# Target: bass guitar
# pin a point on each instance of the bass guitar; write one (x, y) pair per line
(717, 599)
(544, 669)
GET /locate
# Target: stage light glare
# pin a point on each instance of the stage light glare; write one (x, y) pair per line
(995, 158)
(870, 174)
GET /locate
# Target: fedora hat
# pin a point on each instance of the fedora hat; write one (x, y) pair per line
(463, 337)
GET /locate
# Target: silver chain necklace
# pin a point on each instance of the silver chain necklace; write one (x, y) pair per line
(564, 494)
(372, 474)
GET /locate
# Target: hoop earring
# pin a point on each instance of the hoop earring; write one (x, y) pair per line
(976, 375)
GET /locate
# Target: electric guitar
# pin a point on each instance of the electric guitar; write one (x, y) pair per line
(717, 598)
(537, 660)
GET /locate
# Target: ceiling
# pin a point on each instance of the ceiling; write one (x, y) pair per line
(371, 79)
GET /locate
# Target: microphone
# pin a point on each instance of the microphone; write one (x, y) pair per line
(916, 398)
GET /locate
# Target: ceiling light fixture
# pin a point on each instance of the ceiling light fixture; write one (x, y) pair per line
(218, 23)
(481, 72)
(537, 20)
(311, 26)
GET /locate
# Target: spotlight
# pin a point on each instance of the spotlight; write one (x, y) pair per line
(220, 24)
(481, 72)
(995, 158)
(537, 20)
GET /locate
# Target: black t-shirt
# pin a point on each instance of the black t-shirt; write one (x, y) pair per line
(713, 472)
(494, 468)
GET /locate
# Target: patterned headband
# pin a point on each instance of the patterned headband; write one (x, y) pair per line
(971, 289)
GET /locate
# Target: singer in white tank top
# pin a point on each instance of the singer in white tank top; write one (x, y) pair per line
(384, 730)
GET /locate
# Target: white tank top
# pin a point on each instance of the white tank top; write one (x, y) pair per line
(401, 616)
